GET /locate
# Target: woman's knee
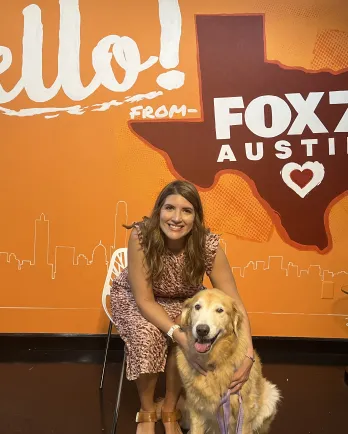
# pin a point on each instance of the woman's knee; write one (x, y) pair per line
(148, 336)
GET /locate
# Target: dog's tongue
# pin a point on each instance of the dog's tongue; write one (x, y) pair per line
(202, 347)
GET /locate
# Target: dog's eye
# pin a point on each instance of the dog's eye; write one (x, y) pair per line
(219, 310)
(197, 306)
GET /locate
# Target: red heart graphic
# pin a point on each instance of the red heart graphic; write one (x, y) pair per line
(301, 178)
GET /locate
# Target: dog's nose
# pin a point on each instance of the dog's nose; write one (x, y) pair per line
(202, 330)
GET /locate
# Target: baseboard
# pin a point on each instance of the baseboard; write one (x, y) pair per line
(317, 351)
(90, 348)
(48, 341)
(56, 348)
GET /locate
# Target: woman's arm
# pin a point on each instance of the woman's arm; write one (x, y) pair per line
(142, 288)
(222, 278)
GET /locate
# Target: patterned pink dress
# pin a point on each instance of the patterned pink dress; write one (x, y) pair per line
(146, 346)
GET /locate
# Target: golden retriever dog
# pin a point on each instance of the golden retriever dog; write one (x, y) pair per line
(212, 322)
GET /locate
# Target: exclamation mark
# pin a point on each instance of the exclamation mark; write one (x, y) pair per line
(170, 20)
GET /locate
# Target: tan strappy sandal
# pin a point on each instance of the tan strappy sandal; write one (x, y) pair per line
(150, 416)
(146, 416)
(172, 416)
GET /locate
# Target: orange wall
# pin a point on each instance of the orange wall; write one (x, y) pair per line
(68, 181)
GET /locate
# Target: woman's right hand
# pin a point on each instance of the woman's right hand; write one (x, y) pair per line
(192, 357)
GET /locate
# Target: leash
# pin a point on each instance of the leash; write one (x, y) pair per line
(224, 419)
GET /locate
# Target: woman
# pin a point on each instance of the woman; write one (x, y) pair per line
(168, 255)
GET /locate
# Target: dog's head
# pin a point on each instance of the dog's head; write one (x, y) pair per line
(208, 316)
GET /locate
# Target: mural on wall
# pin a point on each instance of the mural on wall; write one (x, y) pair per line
(124, 50)
(100, 108)
(285, 130)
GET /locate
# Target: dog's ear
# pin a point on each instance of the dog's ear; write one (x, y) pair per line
(186, 313)
(236, 317)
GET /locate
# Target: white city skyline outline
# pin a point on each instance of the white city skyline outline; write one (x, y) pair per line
(76, 257)
(263, 265)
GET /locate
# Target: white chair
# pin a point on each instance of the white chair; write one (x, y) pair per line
(118, 262)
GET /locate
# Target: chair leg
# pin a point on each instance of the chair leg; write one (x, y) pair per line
(119, 391)
(106, 355)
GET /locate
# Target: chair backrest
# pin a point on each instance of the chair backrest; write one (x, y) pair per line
(118, 262)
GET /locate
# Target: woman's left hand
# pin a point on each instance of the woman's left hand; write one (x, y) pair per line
(241, 375)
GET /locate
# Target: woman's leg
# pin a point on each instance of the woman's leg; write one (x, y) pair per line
(173, 389)
(146, 384)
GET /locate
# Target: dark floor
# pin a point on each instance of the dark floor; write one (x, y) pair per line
(42, 396)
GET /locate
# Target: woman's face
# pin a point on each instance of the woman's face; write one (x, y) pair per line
(176, 217)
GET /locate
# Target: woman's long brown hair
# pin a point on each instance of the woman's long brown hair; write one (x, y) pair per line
(154, 242)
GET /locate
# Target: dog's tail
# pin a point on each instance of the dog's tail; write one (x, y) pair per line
(269, 402)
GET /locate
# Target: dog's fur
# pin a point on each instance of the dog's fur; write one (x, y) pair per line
(203, 393)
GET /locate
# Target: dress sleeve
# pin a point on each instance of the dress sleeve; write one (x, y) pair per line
(137, 227)
(211, 246)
